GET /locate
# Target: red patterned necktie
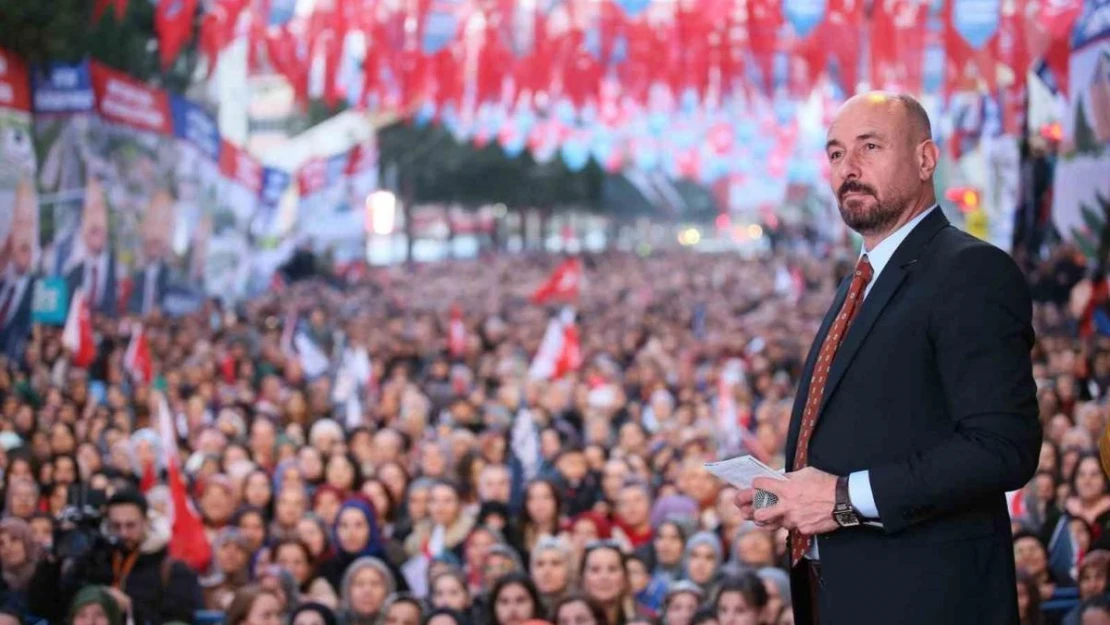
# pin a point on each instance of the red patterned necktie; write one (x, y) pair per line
(800, 543)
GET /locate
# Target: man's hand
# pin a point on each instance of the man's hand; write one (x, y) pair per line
(743, 500)
(806, 502)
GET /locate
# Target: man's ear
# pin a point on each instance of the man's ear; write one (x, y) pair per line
(927, 156)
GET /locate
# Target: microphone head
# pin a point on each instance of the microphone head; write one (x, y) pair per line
(764, 499)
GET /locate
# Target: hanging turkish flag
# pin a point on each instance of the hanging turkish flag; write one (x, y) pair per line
(1048, 28)
(173, 22)
(897, 43)
(971, 40)
(764, 20)
(217, 29)
(288, 54)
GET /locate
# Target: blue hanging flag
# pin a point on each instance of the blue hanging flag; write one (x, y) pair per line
(804, 15)
(976, 20)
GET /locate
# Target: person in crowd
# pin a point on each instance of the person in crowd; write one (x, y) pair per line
(403, 610)
(313, 614)
(97, 605)
(254, 605)
(682, 601)
(577, 609)
(295, 557)
(135, 565)
(366, 584)
(513, 600)
(741, 600)
(604, 578)
(1095, 611)
(19, 557)
(356, 536)
(552, 568)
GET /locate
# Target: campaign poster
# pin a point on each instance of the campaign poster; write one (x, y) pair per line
(1081, 190)
(19, 220)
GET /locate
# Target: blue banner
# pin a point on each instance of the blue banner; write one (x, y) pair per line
(49, 301)
(804, 15)
(195, 125)
(62, 88)
(976, 20)
(274, 184)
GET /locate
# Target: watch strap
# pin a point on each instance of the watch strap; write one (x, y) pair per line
(843, 497)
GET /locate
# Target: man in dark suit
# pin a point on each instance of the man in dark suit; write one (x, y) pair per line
(916, 410)
(93, 265)
(152, 278)
(17, 287)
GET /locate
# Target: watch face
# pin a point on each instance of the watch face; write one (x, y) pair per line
(846, 518)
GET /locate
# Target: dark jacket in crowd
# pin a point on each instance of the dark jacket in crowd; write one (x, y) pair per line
(161, 589)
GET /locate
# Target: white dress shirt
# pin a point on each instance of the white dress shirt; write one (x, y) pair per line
(859, 483)
(100, 261)
(150, 287)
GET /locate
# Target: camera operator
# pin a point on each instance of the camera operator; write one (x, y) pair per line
(141, 576)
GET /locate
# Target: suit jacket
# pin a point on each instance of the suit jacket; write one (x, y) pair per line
(15, 333)
(931, 391)
(138, 294)
(108, 304)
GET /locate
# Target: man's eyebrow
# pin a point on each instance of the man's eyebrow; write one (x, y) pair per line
(867, 136)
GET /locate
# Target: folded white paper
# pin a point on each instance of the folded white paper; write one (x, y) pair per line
(740, 471)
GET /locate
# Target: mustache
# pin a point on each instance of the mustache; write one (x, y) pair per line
(853, 186)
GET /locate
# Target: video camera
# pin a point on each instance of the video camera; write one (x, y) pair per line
(79, 523)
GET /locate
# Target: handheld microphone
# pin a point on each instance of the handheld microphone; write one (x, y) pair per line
(764, 499)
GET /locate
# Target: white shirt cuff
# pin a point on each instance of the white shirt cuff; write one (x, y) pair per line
(859, 492)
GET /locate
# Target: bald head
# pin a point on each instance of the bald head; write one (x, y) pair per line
(908, 111)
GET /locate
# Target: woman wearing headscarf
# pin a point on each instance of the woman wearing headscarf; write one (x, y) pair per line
(667, 550)
(552, 567)
(230, 569)
(364, 588)
(777, 583)
(355, 535)
(94, 605)
(702, 561)
(281, 583)
(19, 555)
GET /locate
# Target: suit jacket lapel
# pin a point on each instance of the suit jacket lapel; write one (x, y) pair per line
(890, 279)
(807, 371)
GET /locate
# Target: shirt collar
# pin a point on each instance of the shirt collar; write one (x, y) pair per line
(884, 251)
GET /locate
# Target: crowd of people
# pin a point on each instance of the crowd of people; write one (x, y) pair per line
(412, 482)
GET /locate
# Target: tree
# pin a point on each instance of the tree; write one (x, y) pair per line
(60, 30)
(444, 170)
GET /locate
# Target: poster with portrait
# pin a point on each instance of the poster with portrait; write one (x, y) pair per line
(18, 197)
(1081, 196)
